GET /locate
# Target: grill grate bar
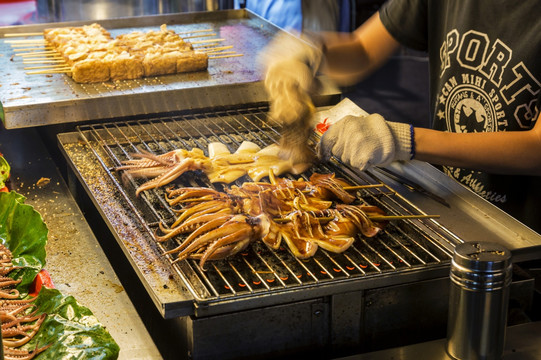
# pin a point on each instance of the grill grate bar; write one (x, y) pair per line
(260, 269)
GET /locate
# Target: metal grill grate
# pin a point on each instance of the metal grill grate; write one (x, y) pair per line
(402, 246)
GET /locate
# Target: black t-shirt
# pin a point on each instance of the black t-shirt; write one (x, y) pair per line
(485, 76)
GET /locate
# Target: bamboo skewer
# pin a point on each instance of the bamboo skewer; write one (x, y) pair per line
(402, 217)
(37, 53)
(44, 58)
(24, 34)
(206, 47)
(217, 48)
(221, 52)
(359, 187)
(373, 218)
(32, 49)
(207, 41)
(197, 36)
(50, 71)
(225, 56)
(26, 41)
(194, 31)
(43, 61)
(45, 67)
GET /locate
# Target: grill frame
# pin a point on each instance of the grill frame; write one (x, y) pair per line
(210, 300)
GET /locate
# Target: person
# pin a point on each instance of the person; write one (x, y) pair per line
(302, 15)
(485, 85)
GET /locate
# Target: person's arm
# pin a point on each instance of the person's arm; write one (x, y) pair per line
(506, 152)
(350, 57)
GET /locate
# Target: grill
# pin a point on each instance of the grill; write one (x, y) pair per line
(404, 245)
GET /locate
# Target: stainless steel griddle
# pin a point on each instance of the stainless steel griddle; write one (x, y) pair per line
(259, 275)
(32, 100)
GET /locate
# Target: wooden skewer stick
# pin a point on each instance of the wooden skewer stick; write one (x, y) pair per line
(194, 31)
(221, 52)
(359, 187)
(60, 66)
(197, 36)
(33, 49)
(402, 217)
(205, 47)
(225, 56)
(373, 218)
(51, 71)
(44, 61)
(24, 34)
(27, 41)
(32, 53)
(217, 48)
(207, 41)
(44, 57)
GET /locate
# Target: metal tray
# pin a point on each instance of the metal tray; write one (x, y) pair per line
(32, 100)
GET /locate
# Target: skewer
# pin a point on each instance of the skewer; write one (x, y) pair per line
(402, 217)
(26, 41)
(32, 49)
(373, 218)
(37, 53)
(196, 36)
(207, 41)
(24, 34)
(225, 56)
(45, 67)
(44, 58)
(359, 187)
(194, 31)
(43, 61)
(51, 71)
(217, 48)
(206, 47)
(221, 52)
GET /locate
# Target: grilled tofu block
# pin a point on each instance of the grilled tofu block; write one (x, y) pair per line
(157, 63)
(90, 70)
(124, 66)
(192, 61)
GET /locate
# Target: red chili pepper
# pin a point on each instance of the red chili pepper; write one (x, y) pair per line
(4, 189)
(323, 126)
(42, 279)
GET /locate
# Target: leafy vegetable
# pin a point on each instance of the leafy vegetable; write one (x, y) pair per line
(4, 171)
(71, 329)
(22, 231)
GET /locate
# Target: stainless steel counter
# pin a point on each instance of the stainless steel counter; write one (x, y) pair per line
(522, 343)
(75, 260)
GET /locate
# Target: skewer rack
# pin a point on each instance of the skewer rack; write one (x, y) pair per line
(37, 100)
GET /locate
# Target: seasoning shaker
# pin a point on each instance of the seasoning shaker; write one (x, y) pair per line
(478, 300)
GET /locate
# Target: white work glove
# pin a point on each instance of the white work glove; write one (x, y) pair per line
(367, 141)
(290, 65)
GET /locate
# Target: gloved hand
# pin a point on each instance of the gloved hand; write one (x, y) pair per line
(290, 65)
(365, 141)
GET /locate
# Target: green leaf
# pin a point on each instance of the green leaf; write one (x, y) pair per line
(70, 328)
(4, 171)
(22, 231)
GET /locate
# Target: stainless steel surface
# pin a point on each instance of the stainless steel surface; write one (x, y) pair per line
(75, 10)
(75, 260)
(478, 301)
(32, 100)
(469, 216)
(522, 343)
(416, 249)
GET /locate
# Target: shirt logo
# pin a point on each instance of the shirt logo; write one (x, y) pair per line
(482, 90)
